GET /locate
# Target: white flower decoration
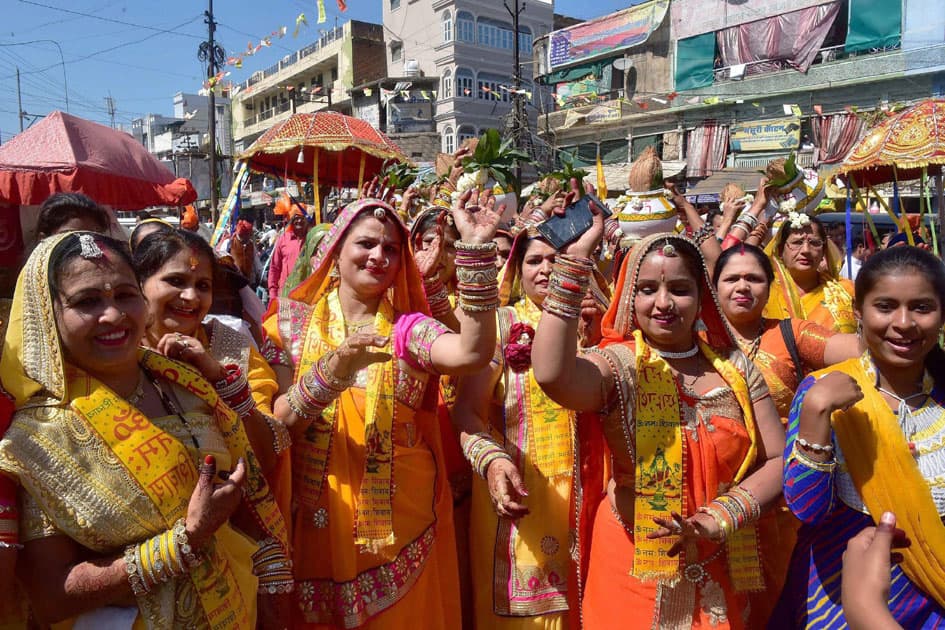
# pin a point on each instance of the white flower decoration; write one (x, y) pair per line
(788, 206)
(798, 220)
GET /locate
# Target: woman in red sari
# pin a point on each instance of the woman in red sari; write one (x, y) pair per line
(694, 441)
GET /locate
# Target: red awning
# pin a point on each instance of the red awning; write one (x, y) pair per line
(63, 153)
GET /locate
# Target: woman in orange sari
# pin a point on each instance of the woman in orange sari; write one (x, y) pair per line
(372, 530)
(800, 289)
(785, 351)
(693, 437)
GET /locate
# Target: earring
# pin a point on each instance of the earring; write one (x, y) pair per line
(859, 328)
(334, 274)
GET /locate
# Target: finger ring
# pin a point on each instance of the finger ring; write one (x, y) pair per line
(185, 344)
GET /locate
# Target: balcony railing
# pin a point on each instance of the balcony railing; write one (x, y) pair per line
(327, 38)
(824, 55)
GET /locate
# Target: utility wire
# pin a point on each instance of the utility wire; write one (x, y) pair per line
(112, 20)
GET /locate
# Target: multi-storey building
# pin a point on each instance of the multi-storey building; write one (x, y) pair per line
(319, 76)
(743, 83)
(469, 45)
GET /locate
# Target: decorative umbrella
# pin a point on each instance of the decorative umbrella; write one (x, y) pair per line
(327, 146)
(901, 147)
(64, 153)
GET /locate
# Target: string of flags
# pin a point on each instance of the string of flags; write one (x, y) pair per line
(252, 48)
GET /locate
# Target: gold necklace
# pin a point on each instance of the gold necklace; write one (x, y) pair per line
(353, 327)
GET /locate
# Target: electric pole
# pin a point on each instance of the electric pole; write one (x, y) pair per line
(19, 100)
(214, 55)
(110, 105)
(518, 122)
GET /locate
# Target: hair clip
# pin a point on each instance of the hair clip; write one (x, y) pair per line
(89, 248)
(669, 250)
(380, 214)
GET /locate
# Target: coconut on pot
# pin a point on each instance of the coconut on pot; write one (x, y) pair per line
(645, 208)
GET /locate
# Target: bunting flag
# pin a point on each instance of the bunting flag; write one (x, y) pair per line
(299, 22)
(425, 94)
(342, 6)
(819, 110)
(322, 17)
(368, 91)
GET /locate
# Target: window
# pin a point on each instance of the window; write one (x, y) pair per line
(466, 27)
(465, 82)
(465, 132)
(447, 21)
(489, 87)
(449, 142)
(394, 5)
(396, 51)
(525, 40)
(498, 35)
(446, 85)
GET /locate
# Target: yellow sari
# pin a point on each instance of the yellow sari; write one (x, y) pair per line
(830, 304)
(106, 476)
(522, 567)
(385, 558)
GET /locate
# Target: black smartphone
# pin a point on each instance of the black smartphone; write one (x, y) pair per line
(562, 230)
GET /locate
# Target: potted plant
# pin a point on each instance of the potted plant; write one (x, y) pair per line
(492, 167)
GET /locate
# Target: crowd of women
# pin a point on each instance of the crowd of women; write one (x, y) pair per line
(682, 431)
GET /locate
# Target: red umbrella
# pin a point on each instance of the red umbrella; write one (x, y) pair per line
(346, 149)
(63, 153)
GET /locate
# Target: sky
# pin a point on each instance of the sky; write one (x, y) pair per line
(141, 52)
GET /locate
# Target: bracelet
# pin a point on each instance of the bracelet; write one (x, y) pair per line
(828, 466)
(437, 297)
(329, 380)
(159, 559)
(747, 498)
(819, 449)
(747, 218)
(477, 276)
(567, 286)
(725, 527)
(300, 406)
(481, 450)
(235, 392)
(703, 234)
(273, 568)
(281, 440)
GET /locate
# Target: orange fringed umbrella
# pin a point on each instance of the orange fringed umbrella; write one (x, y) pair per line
(901, 147)
(345, 150)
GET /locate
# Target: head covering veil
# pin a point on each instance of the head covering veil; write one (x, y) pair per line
(32, 361)
(406, 294)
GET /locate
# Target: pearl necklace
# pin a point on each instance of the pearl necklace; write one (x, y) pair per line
(685, 354)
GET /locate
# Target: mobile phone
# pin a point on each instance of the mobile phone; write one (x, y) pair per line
(562, 230)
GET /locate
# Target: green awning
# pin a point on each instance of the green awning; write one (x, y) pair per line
(873, 24)
(611, 152)
(575, 73)
(695, 62)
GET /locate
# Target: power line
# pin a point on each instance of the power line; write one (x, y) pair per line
(112, 20)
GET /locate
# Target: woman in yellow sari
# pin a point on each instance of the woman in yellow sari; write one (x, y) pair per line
(521, 502)
(124, 521)
(693, 436)
(372, 528)
(806, 277)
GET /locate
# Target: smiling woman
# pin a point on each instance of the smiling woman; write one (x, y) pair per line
(115, 449)
(864, 437)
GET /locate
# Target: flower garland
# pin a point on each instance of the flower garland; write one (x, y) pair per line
(518, 349)
(797, 220)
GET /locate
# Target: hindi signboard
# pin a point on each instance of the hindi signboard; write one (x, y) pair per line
(774, 134)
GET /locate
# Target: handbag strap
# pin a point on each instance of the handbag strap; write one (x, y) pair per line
(787, 331)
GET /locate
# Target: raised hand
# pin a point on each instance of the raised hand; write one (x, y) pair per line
(476, 216)
(189, 350)
(357, 352)
(835, 391)
(213, 501)
(377, 189)
(506, 489)
(430, 259)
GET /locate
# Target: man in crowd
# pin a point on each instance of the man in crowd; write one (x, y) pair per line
(286, 250)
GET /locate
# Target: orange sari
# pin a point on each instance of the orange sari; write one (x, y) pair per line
(718, 446)
(412, 574)
(777, 528)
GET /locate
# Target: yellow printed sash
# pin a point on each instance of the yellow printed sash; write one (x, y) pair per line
(744, 561)
(374, 522)
(164, 470)
(659, 466)
(888, 479)
(549, 425)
